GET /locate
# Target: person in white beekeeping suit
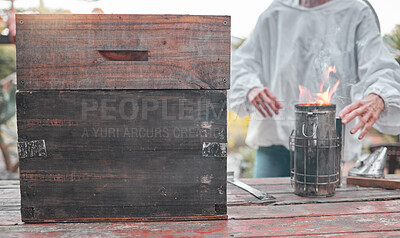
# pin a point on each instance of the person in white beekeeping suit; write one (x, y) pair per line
(294, 43)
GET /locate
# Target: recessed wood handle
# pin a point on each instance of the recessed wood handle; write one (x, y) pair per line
(125, 55)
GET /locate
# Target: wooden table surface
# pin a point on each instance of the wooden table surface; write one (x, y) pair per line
(352, 212)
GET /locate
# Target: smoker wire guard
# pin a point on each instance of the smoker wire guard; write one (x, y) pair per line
(335, 143)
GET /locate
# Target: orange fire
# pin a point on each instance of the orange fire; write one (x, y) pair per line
(321, 98)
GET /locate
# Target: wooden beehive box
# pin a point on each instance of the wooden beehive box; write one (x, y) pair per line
(122, 117)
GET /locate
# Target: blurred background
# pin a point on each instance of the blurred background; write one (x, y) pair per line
(244, 17)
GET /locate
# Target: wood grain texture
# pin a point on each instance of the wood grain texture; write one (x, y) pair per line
(64, 52)
(319, 219)
(313, 210)
(370, 225)
(122, 155)
(10, 218)
(374, 182)
(283, 192)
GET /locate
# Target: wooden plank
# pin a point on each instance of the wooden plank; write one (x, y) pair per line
(8, 182)
(283, 192)
(134, 176)
(373, 182)
(9, 186)
(159, 120)
(286, 180)
(12, 203)
(155, 187)
(328, 226)
(241, 197)
(285, 188)
(10, 193)
(313, 210)
(393, 176)
(14, 207)
(74, 51)
(361, 219)
(278, 212)
(10, 218)
(365, 234)
(292, 199)
(10, 200)
(267, 181)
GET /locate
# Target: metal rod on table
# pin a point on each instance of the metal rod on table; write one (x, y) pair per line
(257, 193)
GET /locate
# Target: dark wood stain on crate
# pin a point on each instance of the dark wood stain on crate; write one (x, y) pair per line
(310, 217)
(122, 155)
(59, 52)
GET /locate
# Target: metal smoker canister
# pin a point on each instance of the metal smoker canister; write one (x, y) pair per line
(315, 160)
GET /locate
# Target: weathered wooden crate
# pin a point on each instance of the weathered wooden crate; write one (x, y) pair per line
(122, 117)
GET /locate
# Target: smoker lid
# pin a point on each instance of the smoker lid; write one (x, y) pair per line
(309, 108)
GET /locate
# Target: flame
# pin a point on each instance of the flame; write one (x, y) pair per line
(321, 98)
(305, 94)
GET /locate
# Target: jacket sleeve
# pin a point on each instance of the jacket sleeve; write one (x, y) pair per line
(378, 73)
(246, 73)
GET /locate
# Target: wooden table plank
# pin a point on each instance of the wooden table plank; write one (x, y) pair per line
(281, 189)
(290, 198)
(267, 181)
(327, 225)
(10, 218)
(347, 214)
(286, 188)
(8, 208)
(313, 210)
(9, 182)
(367, 234)
(276, 212)
(374, 182)
(9, 202)
(10, 193)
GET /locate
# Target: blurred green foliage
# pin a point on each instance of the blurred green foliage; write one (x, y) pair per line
(7, 60)
(395, 40)
(249, 155)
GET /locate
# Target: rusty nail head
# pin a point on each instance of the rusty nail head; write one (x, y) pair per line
(21, 22)
(225, 23)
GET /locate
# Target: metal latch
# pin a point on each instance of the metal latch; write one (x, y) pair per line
(29, 149)
(214, 149)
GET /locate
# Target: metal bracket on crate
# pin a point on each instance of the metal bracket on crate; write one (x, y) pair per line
(214, 149)
(29, 149)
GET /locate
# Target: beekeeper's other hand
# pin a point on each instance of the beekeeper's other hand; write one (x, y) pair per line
(264, 100)
(368, 109)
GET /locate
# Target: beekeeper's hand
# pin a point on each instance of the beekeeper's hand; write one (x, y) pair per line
(368, 109)
(261, 97)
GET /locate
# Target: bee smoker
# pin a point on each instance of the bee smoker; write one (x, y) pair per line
(316, 151)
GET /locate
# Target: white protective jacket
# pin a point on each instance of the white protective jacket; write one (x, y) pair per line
(292, 45)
